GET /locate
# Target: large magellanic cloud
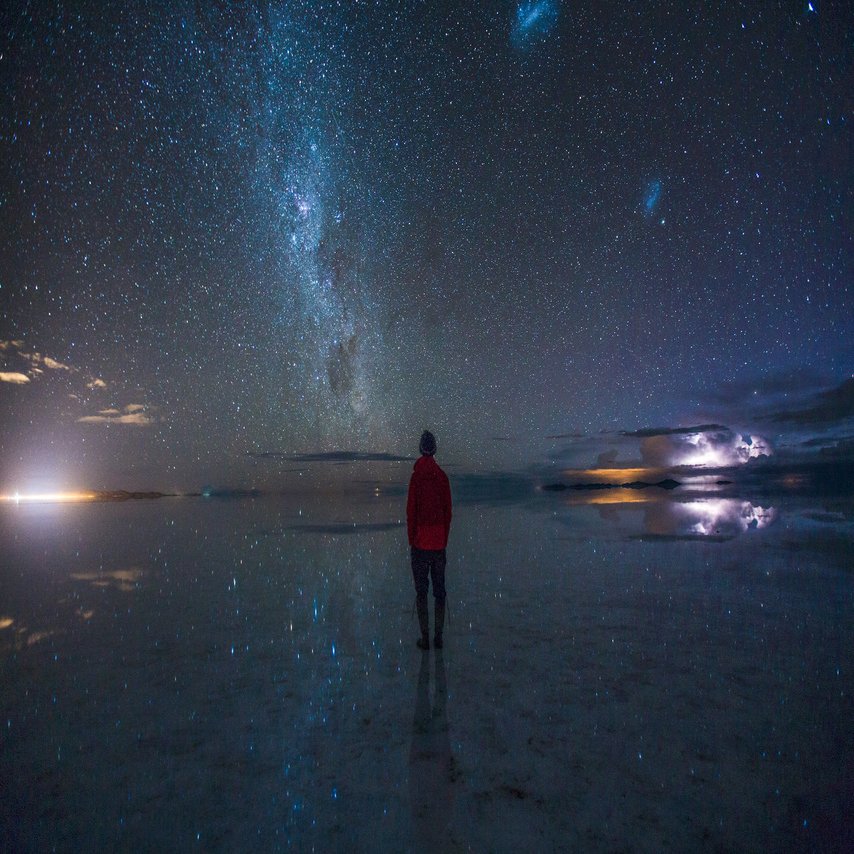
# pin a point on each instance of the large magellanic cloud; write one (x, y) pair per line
(532, 22)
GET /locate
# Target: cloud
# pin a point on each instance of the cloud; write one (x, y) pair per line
(135, 414)
(823, 409)
(96, 383)
(13, 377)
(672, 431)
(716, 448)
(139, 418)
(331, 457)
(607, 459)
(753, 391)
(787, 400)
(33, 362)
(53, 364)
(35, 359)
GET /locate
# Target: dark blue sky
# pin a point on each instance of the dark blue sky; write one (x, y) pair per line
(311, 227)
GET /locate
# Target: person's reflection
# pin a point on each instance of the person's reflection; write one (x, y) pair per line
(431, 792)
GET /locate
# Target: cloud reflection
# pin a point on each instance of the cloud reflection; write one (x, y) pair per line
(126, 580)
(653, 514)
(720, 518)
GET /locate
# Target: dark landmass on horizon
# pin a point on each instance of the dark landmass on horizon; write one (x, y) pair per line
(668, 483)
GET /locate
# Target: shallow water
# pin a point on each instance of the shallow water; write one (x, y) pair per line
(242, 675)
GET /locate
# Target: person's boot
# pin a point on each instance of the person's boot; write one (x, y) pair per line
(439, 613)
(424, 622)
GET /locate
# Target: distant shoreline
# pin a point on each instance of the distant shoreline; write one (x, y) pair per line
(635, 484)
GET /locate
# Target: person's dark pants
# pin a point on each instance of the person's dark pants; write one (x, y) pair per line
(429, 564)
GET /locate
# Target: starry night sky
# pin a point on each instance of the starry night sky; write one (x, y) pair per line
(230, 229)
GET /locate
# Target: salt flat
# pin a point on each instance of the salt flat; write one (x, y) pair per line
(242, 675)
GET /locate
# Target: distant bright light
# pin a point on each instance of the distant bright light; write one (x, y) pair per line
(48, 497)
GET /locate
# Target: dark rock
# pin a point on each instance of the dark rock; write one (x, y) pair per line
(668, 483)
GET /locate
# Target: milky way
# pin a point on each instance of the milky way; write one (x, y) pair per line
(310, 227)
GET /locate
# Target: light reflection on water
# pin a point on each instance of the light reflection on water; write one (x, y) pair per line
(207, 673)
(707, 517)
(653, 513)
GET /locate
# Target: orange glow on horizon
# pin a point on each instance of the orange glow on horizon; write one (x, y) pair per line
(616, 475)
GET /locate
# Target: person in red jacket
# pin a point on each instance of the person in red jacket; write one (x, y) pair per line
(428, 520)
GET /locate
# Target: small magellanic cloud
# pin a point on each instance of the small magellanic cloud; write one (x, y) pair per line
(651, 197)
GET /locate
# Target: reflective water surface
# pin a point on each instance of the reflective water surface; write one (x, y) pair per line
(645, 674)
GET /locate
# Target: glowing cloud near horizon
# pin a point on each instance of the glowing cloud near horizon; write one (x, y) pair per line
(714, 449)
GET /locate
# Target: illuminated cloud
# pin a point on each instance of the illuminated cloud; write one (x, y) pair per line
(13, 377)
(717, 448)
(25, 366)
(53, 364)
(37, 359)
(135, 414)
(35, 362)
(138, 418)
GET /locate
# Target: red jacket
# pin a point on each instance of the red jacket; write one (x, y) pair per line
(428, 505)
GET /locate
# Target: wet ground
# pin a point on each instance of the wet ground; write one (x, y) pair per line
(653, 674)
